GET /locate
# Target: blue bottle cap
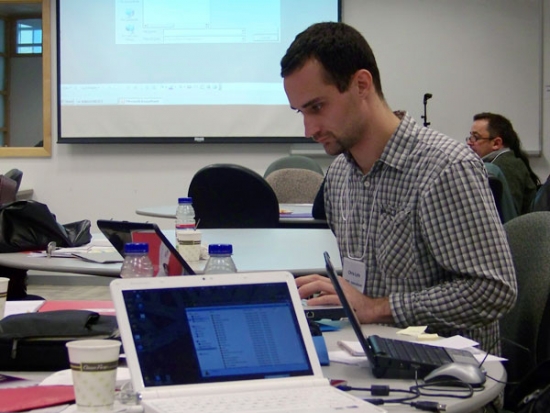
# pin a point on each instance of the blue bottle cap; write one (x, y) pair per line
(136, 248)
(220, 249)
(185, 200)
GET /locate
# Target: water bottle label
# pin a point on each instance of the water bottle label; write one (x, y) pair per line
(189, 242)
(185, 226)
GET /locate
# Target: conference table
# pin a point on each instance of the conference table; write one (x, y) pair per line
(299, 251)
(361, 376)
(291, 215)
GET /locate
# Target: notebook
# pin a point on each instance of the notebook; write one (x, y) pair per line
(165, 258)
(392, 358)
(225, 340)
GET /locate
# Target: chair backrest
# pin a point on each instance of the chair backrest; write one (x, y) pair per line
(297, 186)
(8, 190)
(318, 208)
(501, 193)
(233, 196)
(529, 240)
(293, 161)
(16, 175)
(542, 198)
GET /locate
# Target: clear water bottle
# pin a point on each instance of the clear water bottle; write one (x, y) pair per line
(220, 261)
(136, 261)
(185, 214)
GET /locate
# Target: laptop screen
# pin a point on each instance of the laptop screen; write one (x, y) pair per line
(215, 333)
(165, 258)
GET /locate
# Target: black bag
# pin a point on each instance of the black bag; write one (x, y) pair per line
(532, 394)
(29, 225)
(36, 341)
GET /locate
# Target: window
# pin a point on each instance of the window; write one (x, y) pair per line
(28, 36)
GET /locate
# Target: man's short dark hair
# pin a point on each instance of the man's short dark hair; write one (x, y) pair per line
(340, 49)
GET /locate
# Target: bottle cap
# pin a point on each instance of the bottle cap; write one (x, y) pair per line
(185, 200)
(220, 249)
(136, 248)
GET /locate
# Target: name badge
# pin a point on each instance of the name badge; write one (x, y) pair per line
(355, 273)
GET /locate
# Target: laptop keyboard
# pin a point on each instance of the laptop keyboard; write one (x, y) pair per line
(314, 399)
(408, 351)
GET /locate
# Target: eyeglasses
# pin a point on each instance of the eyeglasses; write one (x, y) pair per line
(475, 138)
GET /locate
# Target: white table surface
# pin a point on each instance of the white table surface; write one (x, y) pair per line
(299, 251)
(362, 377)
(169, 211)
(299, 215)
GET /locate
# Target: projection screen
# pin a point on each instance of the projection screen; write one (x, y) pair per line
(179, 70)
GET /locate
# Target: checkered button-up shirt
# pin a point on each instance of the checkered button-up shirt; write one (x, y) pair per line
(424, 223)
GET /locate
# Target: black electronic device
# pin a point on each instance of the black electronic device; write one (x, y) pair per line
(391, 358)
(320, 312)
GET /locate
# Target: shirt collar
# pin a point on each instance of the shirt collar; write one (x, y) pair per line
(399, 146)
(402, 141)
(490, 157)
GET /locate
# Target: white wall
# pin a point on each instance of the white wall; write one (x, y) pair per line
(111, 181)
(472, 56)
(541, 165)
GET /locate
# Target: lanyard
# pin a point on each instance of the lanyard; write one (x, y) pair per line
(347, 197)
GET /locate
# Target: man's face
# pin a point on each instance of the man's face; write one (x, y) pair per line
(480, 140)
(331, 118)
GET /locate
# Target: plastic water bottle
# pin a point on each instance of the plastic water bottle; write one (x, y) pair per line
(220, 261)
(136, 261)
(185, 214)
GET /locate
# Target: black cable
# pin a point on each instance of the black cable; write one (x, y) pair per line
(501, 381)
(495, 342)
(381, 390)
(491, 347)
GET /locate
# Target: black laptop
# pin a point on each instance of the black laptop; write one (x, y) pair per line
(165, 258)
(397, 359)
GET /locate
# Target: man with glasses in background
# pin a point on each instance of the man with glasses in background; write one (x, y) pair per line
(494, 139)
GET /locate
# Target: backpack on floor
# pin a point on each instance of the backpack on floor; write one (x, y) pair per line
(532, 395)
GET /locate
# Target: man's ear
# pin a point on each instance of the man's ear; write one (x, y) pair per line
(498, 143)
(362, 79)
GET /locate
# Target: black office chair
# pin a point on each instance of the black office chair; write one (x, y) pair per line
(542, 198)
(527, 323)
(501, 193)
(232, 196)
(318, 208)
(16, 175)
(496, 188)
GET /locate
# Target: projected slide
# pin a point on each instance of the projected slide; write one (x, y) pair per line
(195, 69)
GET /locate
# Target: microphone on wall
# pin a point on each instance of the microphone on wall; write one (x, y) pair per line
(425, 117)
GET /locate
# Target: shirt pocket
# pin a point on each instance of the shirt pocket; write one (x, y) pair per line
(395, 252)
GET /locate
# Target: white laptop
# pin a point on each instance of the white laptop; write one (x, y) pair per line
(228, 343)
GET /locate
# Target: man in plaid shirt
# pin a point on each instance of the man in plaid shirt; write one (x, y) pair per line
(418, 231)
